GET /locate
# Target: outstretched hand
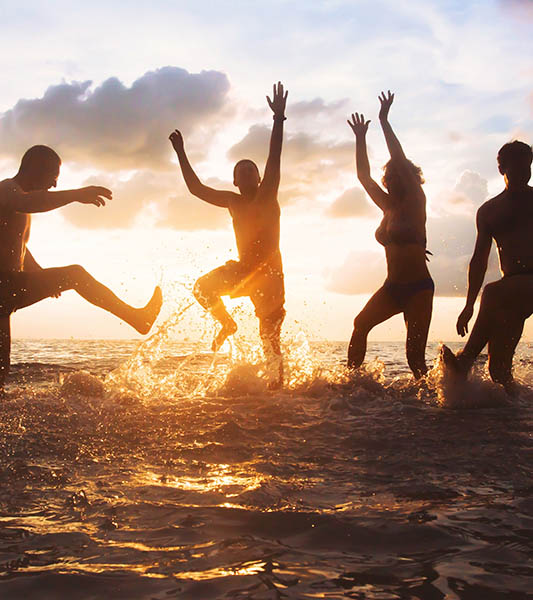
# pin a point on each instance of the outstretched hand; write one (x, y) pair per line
(278, 101)
(385, 100)
(358, 124)
(176, 139)
(94, 194)
(463, 319)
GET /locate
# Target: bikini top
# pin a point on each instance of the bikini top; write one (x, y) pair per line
(399, 233)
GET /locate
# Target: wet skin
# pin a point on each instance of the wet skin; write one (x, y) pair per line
(505, 304)
(404, 216)
(255, 212)
(24, 282)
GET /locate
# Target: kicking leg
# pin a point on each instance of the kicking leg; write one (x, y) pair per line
(48, 282)
(208, 291)
(378, 309)
(417, 319)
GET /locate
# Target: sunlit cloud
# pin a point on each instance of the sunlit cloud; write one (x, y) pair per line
(114, 126)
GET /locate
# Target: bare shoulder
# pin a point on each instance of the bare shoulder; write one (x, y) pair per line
(491, 206)
(7, 187)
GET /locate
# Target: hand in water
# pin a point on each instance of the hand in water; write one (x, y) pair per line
(386, 101)
(462, 321)
(176, 139)
(279, 100)
(358, 124)
(94, 194)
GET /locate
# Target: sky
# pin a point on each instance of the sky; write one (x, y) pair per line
(104, 83)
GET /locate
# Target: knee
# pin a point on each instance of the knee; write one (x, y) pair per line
(199, 290)
(77, 272)
(490, 294)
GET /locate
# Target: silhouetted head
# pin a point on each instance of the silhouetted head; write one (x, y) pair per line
(39, 168)
(246, 176)
(394, 179)
(514, 163)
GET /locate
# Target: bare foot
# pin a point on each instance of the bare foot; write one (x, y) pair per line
(148, 314)
(452, 364)
(227, 329)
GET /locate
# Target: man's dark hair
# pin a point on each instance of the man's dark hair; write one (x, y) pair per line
(38, 158)
(243, 161)
(514, 151)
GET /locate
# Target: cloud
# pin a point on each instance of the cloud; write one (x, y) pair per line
(310, 165)
(114, 126)
(521, 9)
(360, 273)
(473, 186)
(317, 108)
(159, 197)
(185, 212)
(351, 203)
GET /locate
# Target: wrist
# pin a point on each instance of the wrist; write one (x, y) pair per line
(280, 117)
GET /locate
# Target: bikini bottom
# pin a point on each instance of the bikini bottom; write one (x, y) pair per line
(401, 293)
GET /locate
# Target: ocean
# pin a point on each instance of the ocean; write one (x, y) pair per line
(156, 470)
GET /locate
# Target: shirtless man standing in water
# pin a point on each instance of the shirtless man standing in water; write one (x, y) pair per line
(507, 303)
(22, 281)
(256, 213)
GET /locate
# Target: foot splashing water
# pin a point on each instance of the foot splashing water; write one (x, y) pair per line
(167, 471)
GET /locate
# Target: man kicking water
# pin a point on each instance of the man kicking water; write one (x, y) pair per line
(507, 303)
(256, 213)
(22, 281)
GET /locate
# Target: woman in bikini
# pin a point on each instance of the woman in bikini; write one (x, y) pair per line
(409, 287)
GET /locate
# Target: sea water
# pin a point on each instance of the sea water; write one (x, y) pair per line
(158, 470)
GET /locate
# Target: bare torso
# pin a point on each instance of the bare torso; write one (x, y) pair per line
(256, 222)
(14, 233)
(403, 233)
(509, 219)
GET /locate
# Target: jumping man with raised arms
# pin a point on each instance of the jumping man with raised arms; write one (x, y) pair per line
(256, 221)
(22, 280)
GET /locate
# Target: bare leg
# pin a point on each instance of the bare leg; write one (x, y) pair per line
(417, 319)
(378, 309)
(45, 283)
(5, 349)
(207, 290)
(270, 332)
(502, 345)
(503, 304)
(483, 327)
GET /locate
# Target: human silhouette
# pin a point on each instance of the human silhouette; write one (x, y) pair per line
(22, 280)
(408, 288)
(256, 221)
(505, 304)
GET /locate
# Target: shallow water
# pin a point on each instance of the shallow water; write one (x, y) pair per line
(169, 473)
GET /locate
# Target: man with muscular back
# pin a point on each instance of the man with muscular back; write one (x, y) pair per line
(507, 303)
(22, 281)
(256, 213)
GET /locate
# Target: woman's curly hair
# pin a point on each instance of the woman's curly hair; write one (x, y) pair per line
(393, 175)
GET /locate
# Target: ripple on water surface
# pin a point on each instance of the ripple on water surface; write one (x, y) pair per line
(167, 472)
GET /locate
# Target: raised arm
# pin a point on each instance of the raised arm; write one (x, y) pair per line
(359, 126)
(13, 198)
(476, 272)
(195, 186)
(277, 104)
